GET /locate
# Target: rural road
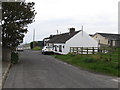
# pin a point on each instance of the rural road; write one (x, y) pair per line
(44, 71)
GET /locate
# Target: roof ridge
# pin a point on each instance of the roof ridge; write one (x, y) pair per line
(62, 38)
(67, 32)
(108, 33)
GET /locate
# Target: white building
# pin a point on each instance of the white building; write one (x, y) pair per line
(63, 42)
(45, 40)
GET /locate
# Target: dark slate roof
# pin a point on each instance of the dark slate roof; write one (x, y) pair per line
(51, 36)
(62, 38)
(110, 36)
(91, 35)
(47, 38)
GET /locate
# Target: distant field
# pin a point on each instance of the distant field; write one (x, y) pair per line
(95, 62)
(37, 48)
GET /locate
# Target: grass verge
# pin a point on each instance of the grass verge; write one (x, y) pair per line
(93, 62)
(37, 48)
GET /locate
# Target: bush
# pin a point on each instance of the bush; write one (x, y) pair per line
(14, 57)
(31, 45)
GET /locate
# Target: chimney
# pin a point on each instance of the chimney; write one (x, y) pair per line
(51, 36)
(72, 30)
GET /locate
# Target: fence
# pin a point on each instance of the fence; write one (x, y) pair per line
(91, 50)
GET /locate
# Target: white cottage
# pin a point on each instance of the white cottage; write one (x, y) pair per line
(63, 42)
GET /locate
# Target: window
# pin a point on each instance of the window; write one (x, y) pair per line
(60, 48)
(55, 48)
(63, 46)
(108, 42)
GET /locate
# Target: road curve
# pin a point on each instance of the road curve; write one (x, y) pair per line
(44, 71)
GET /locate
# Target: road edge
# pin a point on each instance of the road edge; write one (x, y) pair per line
(4, 76)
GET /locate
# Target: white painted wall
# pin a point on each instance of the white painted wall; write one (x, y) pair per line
(63, 49)
(82, 39)
(49, 44)
(78, 40)
(45, 40)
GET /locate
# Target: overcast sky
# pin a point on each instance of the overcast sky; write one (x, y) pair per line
(52, 15)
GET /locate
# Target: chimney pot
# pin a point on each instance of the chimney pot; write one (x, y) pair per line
(72, 30)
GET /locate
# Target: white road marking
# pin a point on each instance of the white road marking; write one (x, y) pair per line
(116, 80)
(65, 63)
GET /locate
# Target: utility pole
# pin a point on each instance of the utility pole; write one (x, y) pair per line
(33, 37)
(0, 24)
(57, 32)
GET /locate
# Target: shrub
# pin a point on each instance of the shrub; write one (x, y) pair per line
(31, 45)
(14, 57)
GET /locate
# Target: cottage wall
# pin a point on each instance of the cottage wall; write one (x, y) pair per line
(59, 48)
(100, 39)
(44, 41)
(82, 39)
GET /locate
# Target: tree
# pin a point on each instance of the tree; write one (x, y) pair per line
(31, 45)
(15, 18)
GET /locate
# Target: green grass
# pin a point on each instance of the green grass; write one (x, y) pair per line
(37, 48)
(93, 62)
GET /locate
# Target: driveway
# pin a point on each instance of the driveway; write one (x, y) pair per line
(44, 71)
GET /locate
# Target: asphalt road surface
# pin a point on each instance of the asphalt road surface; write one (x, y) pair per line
(44, 71)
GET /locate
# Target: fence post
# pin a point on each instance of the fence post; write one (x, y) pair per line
(98, 49)
(81, 50)
(87, 50)
(73, 49)
(70, 49)
(101, 52)
(93, 50)
(110, 52)
(77, 50)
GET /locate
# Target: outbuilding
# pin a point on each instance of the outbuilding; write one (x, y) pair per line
(107, 39)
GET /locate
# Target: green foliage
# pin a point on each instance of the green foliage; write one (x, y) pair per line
(31, 45)
(14, 58)
(15, 17)
(93, 63)
(40, 43)
(36, 45)
(89, 60)
(37, 48)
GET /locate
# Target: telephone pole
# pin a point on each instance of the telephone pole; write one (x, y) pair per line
(33, 37)
(57, 32)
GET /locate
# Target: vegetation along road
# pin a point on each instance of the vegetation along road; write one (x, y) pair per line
(44, 71)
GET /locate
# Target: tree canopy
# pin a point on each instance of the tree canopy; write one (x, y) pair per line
(15, 18)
